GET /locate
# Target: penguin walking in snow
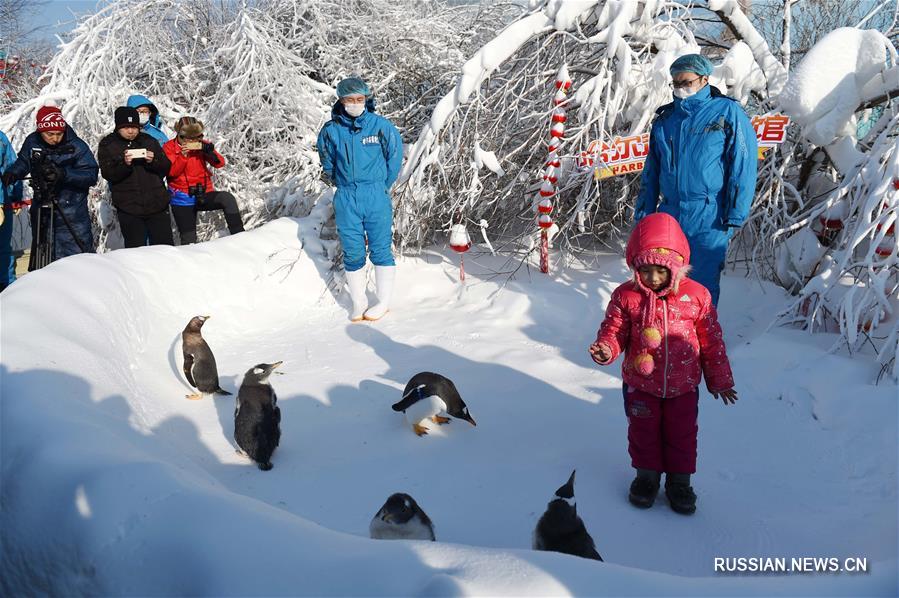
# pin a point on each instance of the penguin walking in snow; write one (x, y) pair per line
(426, 396)
(257, 418)
(401, 519)
(561, 530)
(199, 362)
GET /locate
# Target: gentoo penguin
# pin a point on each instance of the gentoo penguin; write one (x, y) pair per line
(561, 530)
(257, 418)
(428, 394)
(199, 363)
(401, 519)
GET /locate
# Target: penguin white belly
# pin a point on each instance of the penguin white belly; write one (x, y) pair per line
(425, 408)
(413, 529)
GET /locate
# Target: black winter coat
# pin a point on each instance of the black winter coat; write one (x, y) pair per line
(137, 189)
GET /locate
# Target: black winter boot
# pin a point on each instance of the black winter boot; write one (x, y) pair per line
(644, 488)
(235, 224)
(680, 495)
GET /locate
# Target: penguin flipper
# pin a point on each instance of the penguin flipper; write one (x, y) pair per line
(188, 366)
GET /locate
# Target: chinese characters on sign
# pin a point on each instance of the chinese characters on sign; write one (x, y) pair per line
(626, 155)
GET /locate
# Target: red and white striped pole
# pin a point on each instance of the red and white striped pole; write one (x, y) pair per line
(551, 169)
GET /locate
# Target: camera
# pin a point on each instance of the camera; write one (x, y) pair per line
(198, 192)
(192, 145)
(136, 153)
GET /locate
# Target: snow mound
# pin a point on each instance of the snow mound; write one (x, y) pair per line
(825, 89)
(114, 484)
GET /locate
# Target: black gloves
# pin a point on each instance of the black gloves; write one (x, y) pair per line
(208, 148)
(8, 179)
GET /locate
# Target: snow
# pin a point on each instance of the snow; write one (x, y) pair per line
(730, 11)
(825, 89)
(738, 74)
(114, 484)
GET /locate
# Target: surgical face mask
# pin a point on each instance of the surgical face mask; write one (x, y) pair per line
(354, 110)
(143, 117)
(684, 92)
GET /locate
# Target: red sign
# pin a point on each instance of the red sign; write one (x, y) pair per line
(626, 155)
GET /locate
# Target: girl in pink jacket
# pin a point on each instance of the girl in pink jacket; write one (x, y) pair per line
(667, 328)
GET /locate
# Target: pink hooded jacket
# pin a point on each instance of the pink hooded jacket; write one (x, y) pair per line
(670, 337)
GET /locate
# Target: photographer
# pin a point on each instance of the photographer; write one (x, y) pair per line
(134, 165)
(62, 171)
(190, 182)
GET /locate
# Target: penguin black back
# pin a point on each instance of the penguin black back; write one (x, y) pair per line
(199, 363)
(430, 384)
(257, 417)
(560, 529)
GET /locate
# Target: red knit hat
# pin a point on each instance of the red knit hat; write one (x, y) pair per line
(49, 118)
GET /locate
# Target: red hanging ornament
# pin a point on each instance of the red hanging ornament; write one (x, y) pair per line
(544, 221)
(460, 242)
(896, 183)
(547, 189)
(545, 207)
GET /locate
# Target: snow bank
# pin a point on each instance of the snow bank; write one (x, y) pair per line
(825, 89)
(113, 484)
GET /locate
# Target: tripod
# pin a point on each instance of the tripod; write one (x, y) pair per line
(43, 224)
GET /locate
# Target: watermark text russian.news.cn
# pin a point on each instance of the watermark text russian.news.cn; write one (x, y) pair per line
(804, 564)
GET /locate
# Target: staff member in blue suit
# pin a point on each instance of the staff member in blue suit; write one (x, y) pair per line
(702, 160)
(150, 122)
(9, 194)
(361, 153)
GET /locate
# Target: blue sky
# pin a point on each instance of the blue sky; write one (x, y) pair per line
(55, 17)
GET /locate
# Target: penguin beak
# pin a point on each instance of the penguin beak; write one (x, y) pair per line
(470, 420)
(275, 365)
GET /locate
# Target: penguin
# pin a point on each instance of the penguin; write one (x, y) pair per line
(257, 417)
(561, 530)
(199, 362)
(401, 519)
(428, 394)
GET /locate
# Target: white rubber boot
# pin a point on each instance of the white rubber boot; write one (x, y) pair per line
(355, 282)
(384, 276)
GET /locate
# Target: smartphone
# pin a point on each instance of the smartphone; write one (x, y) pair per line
(137, 153)
(192, 145)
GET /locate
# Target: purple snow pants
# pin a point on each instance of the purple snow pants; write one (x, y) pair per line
(661, 433)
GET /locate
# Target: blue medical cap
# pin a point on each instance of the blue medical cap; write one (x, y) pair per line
(352, 85)
(692, 63)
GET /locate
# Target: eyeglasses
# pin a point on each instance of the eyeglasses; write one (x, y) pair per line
(684, 83)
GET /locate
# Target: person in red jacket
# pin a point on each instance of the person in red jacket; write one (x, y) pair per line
(667, 327)
(190, 182)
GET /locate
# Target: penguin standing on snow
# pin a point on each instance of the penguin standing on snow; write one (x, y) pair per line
(199, 363)
(401, 519)
(257, 418)
(561, 530)
(428, 394)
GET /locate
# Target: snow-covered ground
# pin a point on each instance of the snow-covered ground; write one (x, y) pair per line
(114, 484)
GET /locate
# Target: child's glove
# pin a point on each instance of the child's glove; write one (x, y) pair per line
(600, 353)
(729, 396)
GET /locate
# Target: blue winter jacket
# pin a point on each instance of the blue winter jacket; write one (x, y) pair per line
(154, 125)
(79, 174)
(364, 150)
(701, 149)
(12, 193)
